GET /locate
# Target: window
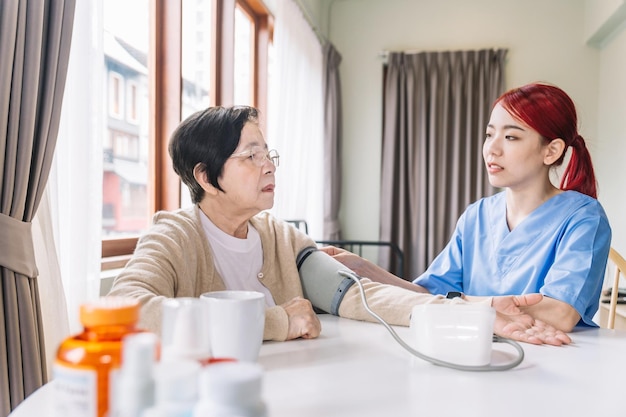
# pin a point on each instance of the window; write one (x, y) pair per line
(132, 104)
(124, 146)
(125, 175)
(116, 86)
(244, 56)
(196, 54)
(165, 59)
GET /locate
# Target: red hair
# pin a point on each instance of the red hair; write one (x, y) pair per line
(551, 112)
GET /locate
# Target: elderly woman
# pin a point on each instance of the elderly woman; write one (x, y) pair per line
(227, 241)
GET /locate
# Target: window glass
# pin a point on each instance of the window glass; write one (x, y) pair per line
(244, 57)
(126, 144)
(196, 55)
(196, 63)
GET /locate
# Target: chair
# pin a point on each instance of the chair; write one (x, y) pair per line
(396, 265)
(300, 225)
(620, 268)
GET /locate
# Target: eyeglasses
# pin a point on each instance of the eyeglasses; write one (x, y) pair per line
(259, 156)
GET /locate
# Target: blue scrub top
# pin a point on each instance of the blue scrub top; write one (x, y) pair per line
(560, 250)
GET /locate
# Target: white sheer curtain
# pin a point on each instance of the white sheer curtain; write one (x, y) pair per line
(68, 222)
(296, 124)
(53, 302)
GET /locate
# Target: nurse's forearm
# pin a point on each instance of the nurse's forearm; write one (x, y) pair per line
(376, 273)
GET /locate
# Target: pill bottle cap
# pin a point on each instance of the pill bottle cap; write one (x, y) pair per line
(232, 385)
(184, 329)
(110, 311)
(139, 353)
(177, 381)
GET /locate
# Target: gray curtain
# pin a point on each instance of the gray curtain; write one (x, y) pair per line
(34, 50)
(436, 108)
(332, 142)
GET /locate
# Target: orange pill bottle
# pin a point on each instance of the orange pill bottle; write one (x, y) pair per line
(84, 361)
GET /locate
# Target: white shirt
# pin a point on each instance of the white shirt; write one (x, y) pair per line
(238, 261)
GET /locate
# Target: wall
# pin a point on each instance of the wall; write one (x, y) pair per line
(606, 29)
(546, 41)
(578, 45)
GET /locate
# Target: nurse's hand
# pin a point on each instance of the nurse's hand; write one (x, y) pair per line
(511, 322)
(303, 321)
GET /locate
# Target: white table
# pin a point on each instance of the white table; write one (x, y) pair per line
(358, 369)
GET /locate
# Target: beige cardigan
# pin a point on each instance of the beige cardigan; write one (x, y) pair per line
(174, 259)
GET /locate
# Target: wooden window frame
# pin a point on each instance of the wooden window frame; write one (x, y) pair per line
(165, 69)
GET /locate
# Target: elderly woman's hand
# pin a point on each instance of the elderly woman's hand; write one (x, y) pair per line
(303, 321)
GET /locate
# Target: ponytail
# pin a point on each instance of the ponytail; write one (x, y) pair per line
(579, 174)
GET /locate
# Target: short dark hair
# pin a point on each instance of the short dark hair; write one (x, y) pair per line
(208, 137)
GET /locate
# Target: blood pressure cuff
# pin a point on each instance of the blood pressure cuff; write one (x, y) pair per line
(321, 282)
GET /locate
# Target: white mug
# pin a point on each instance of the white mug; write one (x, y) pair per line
(236, 320)
(456, 333)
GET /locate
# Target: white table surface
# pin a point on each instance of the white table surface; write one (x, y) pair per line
(358, 369)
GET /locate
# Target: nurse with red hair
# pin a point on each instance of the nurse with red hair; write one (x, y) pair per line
(533, 236)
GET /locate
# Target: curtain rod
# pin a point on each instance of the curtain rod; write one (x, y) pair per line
(310, 21)
(385, 53)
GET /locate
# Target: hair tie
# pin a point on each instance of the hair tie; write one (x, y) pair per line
(578, 142)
